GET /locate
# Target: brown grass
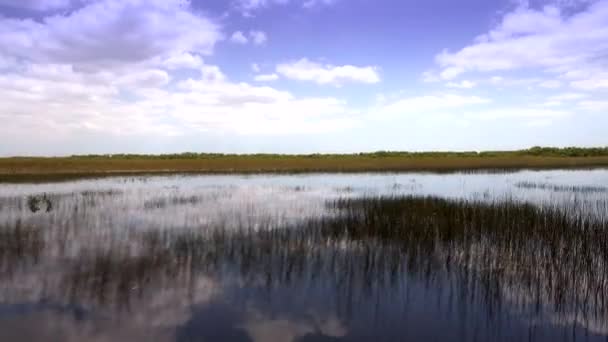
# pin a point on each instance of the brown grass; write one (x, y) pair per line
(37, 168)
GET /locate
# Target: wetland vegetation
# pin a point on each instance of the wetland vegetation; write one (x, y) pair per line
(296, 258)
(27, 169)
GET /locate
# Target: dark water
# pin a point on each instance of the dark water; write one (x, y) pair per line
(188, 259)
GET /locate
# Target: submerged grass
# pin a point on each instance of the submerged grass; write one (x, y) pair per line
(541, 260)
(19, 245)
(562, 188)
(32, 169)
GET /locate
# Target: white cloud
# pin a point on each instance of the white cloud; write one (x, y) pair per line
(426, 104)
(247, 109)
(248, 7)
(239, 38)
(266, 77)
(258, 37)
(153, 78)
(182, 61)
(594, 105)
(7, 62)
(595, 80)
(465, 84)
(530, 114)
(115, 76)
(553, 40)
(110, 33)
(561, 99)
(255, 37)
(450, 73)
(314, 3)
(430, 77)
(568, 97)
(496, 79)
(60, 99)
(38, 5)
(525, 82)
(305, 70)
(255, 67)
(550, 84)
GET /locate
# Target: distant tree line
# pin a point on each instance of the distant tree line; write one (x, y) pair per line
(536, 151)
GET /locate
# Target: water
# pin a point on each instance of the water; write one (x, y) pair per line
(81, 271)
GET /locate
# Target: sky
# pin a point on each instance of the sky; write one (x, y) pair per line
(301, 76)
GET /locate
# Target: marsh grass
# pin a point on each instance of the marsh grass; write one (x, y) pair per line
(540, 260)
(562, 188)
(164, 202)
(39, 169)
(20, 246)
(509, 253)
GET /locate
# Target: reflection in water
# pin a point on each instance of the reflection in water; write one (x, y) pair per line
(274, 260)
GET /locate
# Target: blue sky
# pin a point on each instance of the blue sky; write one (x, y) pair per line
(300, 76)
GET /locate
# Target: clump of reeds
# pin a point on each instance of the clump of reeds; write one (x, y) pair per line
(542, 259)
(37, 203)
(19, 244)
(164, 202)
(562, 188)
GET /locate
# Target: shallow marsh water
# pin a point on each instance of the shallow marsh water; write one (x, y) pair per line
(186, 258)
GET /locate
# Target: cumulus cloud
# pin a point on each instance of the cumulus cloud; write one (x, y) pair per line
(305, 70)
(532, 114)
(462, 110)
(258, 37)
(550, 84)
(153, 78)
(568, 97)
(314, 3)
(248, 7)
(108, 33)
(255, 37)
(182, 60)
(38, 5)
(593, 81)
(428, 103)
(141, 68)
(239, 38)
(594, 105)
(222, 105)
(563, 98)
(7, 62)
(60, 99)
(465, 84)
(266, 77)
(550, 38)
(109, 68)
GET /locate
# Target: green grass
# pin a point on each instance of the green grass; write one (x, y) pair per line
(17, 169)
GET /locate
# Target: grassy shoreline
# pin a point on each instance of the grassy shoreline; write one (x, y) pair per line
(19, 169)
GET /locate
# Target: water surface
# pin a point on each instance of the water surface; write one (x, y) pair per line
(76, 264)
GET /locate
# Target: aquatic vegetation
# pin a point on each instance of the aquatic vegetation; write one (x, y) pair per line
(40, 169)
(540, 260)
(36, 203)
(163, 202)
(19, 245)
(101, 193)
(491, 265)
(561, 188)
